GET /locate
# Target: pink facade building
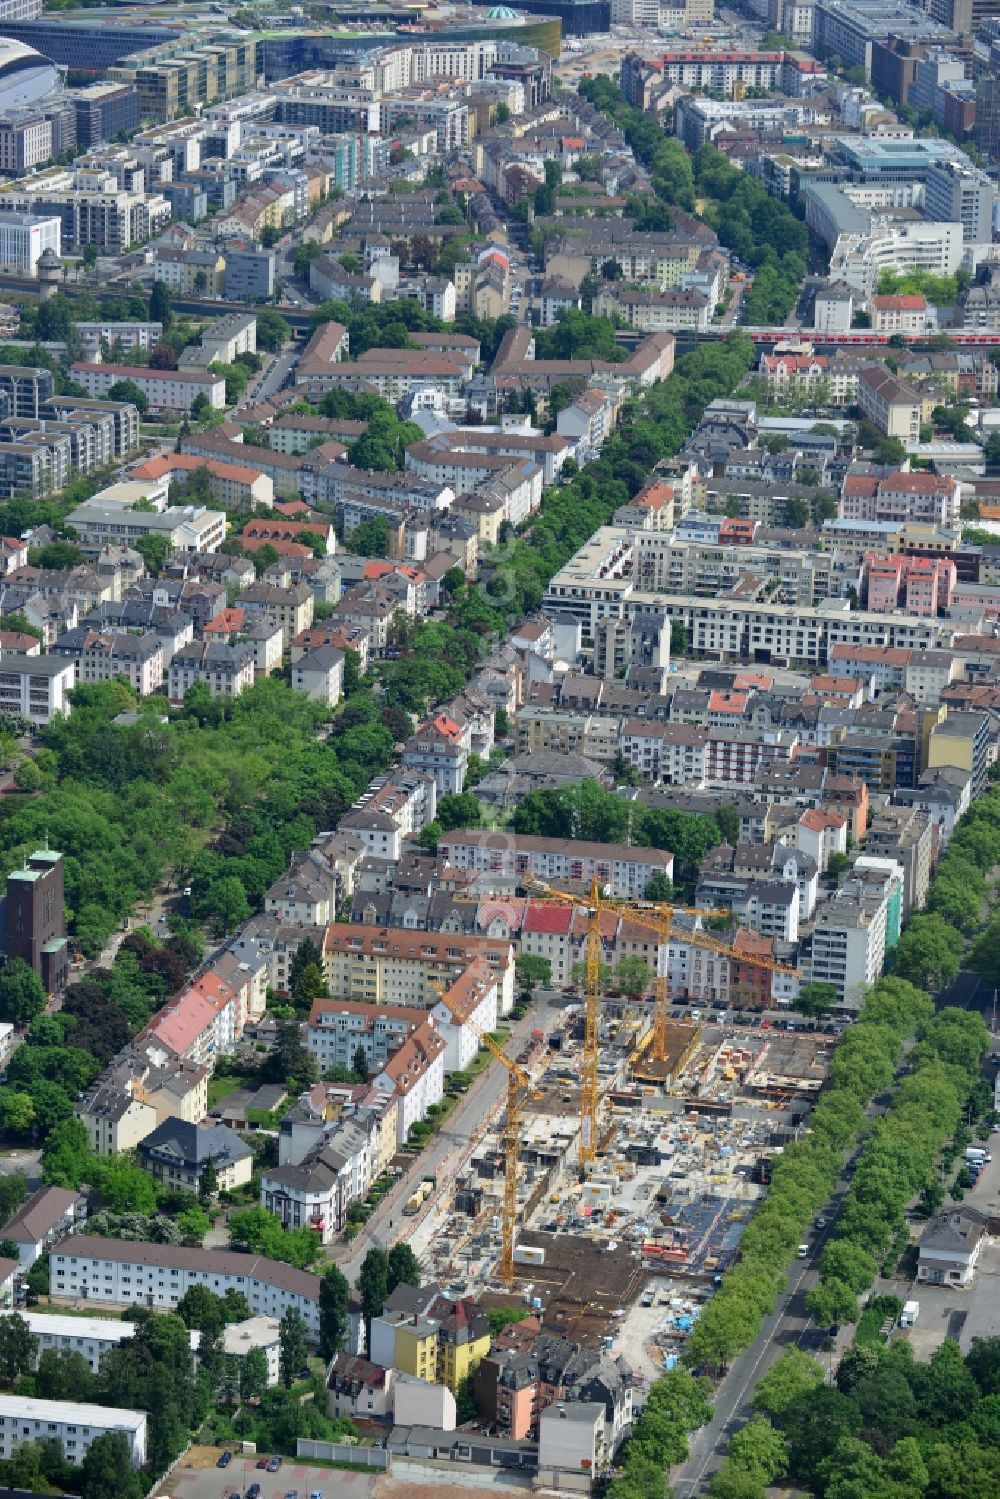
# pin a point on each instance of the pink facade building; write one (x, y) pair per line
(916, 585)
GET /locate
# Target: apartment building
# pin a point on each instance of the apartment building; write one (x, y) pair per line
(393, 808)
(227, 670)
(74, 1427)
(317, 1192)
(920, 585)
(90, 1337)
(291, 607)
(653, 311)
(165, 390)
(122, 1272)
(316, 370)
(103, 656)
(891, 406)
(901, 498)
(899, 313)
(234, 486)
(624, 870)
(854, 932)
(390, 965)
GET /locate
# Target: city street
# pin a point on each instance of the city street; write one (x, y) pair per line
(443, 1158)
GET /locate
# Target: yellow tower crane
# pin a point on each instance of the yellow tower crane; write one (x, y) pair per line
(519, 1087)
(658, 916)
(663, 914)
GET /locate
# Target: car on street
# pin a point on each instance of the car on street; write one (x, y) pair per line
(821, 1222)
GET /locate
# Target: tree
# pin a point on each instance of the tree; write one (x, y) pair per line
(125, 1187)
(307, 954)
(272, 329)
(373, 1284)
(658, 888)
(816, 998)
(127, 390)
(17, 1347)
(107, 1469)
(461, 811)
(159, 305)
(832, 1302)
(264, 557)
(208, 1187)
(235, 1307)
(200, 1309)
(253, 1374)
(291, 1062)
(291, 1346)
(154, 551)
(361, 1062)
(605, 975)
(194, 1223)
(22, 994)
(678, 637)
(791, 1377)
(928, 953)
(58, 556)
(67, 1160)
(532, 970)
(310, 985)
(403, 1267)
(848, 1262)
(334, 1320)
(633, 976)
(760, 1449)
(983, 1363)
(13, 1191)
(62, 1374)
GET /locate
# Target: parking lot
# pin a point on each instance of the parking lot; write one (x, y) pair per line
(217, 1483)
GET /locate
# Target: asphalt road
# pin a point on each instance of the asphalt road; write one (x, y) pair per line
(788, 1323)
(276, 375)
(447, 1152)
(970, 992)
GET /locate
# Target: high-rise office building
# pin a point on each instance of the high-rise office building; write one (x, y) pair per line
(961, 194)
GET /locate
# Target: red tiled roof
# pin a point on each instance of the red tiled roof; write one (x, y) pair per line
(548, 918)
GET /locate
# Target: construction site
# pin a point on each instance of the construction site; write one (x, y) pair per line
(622, 1251)
(610, 1187)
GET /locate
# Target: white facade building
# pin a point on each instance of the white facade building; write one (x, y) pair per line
(36, 687)
(125, 1273)
(74, 1427)
(23, 238)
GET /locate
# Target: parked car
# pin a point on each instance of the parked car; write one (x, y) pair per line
(225, 1459)
(273, 1464)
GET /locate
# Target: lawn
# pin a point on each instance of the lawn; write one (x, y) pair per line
(220, 1088)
